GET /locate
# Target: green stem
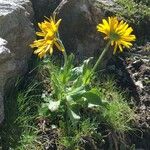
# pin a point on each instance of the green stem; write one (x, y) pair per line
(65, 60)
(98, 61)
(65, 57)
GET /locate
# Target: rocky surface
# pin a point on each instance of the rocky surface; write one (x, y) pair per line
(138, 66)
(4, 56)
(132, 72)
(43, 8)
(16, 34)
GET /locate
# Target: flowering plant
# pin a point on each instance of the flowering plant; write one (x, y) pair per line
(72, 90)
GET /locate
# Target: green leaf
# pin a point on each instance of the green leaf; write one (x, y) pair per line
(43, 110)
(83, 102)
(73, 114)
(67, 69)
(69, 62)
(87, 77)
(80, 74)
(93, 98)
(86, 71)
(76, 93)
(76, 72)
(86, 64)
(77, 83)
(58, 87)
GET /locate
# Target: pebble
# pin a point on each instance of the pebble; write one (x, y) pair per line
(139, 84)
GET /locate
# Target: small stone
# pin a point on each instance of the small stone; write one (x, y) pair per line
(143, 107)
(139, 84)
(137, 64)
(146, 60)
(135, 76)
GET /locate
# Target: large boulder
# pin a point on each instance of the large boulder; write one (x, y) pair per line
(16, 34)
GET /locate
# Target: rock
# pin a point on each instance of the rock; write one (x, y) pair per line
(135, 76)
(137, 64)
(16, 34)
(4, 52)
(139, 84)
(143, 107)
(27, 5)
(141, 77)
(1, 108)
(43, 8)
(5, 55)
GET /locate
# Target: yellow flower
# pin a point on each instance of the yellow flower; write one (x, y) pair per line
(118, 32)
(49, 34)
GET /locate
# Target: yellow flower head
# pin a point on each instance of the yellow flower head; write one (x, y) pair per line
(49, 37)
(119, 33)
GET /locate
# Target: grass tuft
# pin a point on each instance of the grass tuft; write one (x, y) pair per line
(19, 130)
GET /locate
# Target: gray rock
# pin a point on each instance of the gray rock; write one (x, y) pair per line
(27, 5)
(5, 55)
(1, 108)
(17, 30)
(139, 84)
(44, 8)
(4, 52)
